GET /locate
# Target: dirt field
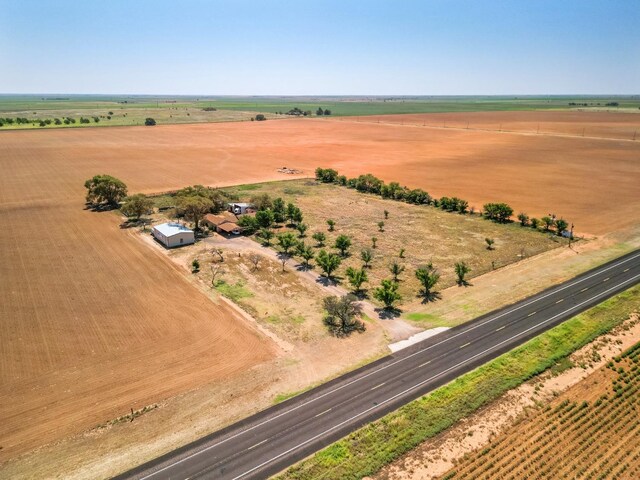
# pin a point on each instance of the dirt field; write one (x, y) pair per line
(570, 176)
(617, 126)
(93, 322)
(82, 309)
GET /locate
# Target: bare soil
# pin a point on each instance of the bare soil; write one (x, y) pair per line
(95, 324)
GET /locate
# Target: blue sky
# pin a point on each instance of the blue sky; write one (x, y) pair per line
(342, 47)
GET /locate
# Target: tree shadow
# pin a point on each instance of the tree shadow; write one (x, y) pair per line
(464, 283)
(301, 267)
(429, 297)
(142, 222)
(362, 294)
(388, 313)
(332, 281)
(100, 207)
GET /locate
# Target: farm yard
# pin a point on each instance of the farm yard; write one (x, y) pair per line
(592, 428)
(421, 234)
(95, 323)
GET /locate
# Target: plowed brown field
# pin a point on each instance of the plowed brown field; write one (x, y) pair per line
(93, 322)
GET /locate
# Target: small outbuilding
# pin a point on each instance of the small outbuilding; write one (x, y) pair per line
(173, 234)
(241, 208)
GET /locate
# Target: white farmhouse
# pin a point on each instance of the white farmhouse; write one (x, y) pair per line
(173, 234)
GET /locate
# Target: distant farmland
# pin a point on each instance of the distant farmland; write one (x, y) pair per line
(132, 110)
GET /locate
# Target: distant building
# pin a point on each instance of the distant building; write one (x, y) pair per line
(173, 234)
(241, 208)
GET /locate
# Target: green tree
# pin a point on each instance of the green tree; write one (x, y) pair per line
(489, 242)
(534, 223)
(194, 207)
(342, 315)
(287, 241)
(136, 206)
(381, 226)
(386, 214)
(461, 269)
(366, 256)
(105, 189)
(332, 225)
(374, 241)
(266, 234)
(291, 212)
(328, 262)
(428, 276)
(279, 210)
(305, 252)
(261, 201)
(548, 223)
(320, 238)
(561, 226)
(302, 228)
(260, 117)
(248, 223)
(326, 175)
(149, 122)
(343, 243)
(387, 293)
(498, 212)
(327, 111)
(265, 218)
(523, 218)
(401, 253)
(195, 266)
(396, 269)
(357, 276)
(297, 216)
(320, 111)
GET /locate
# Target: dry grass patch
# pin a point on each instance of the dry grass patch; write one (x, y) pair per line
(426, 234)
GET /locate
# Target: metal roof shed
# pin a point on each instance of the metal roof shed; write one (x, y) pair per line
(173, 234)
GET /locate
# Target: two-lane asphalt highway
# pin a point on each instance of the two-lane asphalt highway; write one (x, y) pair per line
(269, 441)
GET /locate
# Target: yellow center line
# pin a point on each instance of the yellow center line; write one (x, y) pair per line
(584, 289)
(498, 329)
(532, 313)
(466, 345)
(326, 411)
(561, 300)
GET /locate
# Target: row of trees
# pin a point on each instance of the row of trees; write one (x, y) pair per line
(497, 212)
(548, 223)
(368, 183)
(48, 121)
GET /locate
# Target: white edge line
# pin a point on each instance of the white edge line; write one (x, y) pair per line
(473, 327)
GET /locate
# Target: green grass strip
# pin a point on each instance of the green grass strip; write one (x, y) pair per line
(367, 450)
